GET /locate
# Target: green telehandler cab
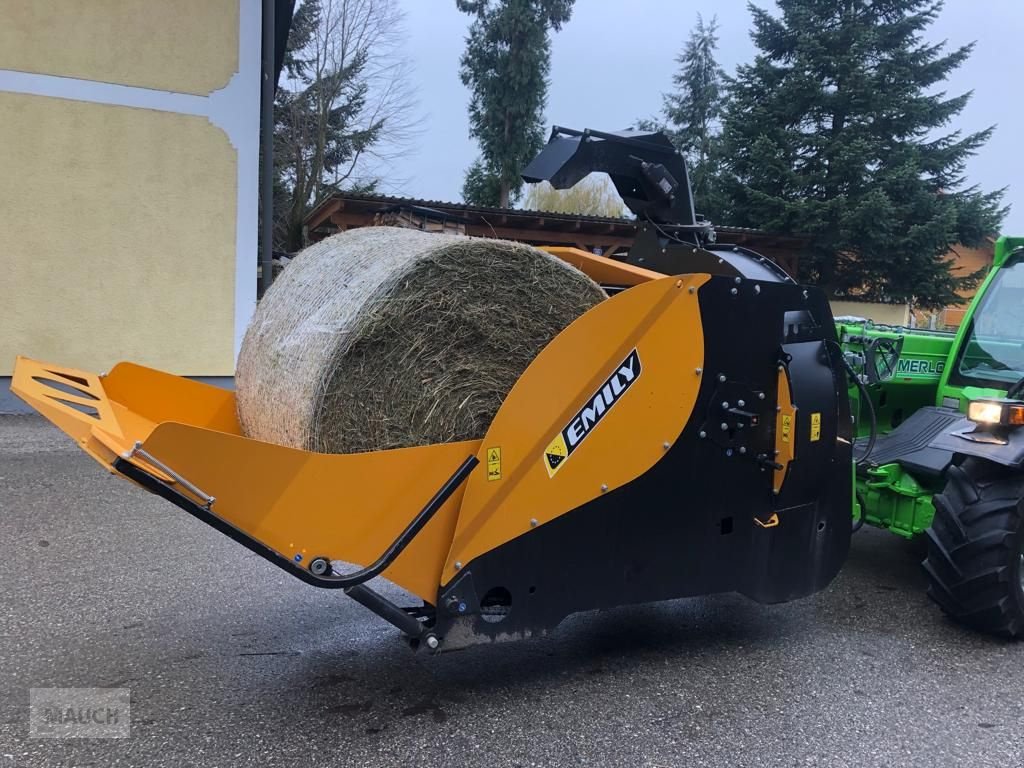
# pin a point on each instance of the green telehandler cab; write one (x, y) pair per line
(940, 446)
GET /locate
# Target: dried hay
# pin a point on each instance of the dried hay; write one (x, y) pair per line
(384, 337)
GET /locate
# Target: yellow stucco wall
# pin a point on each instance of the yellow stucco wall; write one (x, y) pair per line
(187, 46)
(117, 236)
(889, 314)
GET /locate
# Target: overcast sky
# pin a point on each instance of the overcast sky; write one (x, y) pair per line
(614, 59)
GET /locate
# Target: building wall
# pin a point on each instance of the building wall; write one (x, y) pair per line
(885, 314)
(966, 261)
(128, 197)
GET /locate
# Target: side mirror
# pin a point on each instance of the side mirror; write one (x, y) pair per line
(880, 358)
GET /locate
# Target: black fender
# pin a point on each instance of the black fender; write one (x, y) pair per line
(965, 437)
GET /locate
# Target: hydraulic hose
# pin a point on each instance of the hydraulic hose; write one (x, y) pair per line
(872, 435)
(866, 398)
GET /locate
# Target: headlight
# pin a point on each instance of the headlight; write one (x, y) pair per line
(1007, 413)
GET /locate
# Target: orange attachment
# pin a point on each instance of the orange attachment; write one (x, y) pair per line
(601, 269)
(347, 507)
(785, 430)
(342, 507)
(576, 402)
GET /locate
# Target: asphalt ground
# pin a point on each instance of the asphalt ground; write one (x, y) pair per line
(231, 662)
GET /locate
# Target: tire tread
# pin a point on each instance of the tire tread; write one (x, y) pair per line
(972, 546)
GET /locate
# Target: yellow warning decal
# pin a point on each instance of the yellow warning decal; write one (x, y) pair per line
(815, 427)
(494, 463)
(555, 454)
(787, 427)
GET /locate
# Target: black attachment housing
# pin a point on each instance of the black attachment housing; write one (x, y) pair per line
(647, 170)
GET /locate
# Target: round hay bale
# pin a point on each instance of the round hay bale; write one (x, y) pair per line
(383, 337)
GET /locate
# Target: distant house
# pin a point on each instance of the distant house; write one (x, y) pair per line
(598, 234)
(966, 261)
(610, 237)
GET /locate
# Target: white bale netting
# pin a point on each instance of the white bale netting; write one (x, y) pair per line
(384, 337)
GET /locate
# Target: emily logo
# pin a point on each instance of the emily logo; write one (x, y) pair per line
(590, 415)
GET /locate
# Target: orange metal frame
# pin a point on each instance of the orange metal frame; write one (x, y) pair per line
(351, 507)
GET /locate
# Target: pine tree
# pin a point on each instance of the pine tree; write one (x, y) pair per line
(342, 98)
(506, 65)
(693, 110)
(835, 130)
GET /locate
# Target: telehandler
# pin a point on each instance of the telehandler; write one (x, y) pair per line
(948, 459)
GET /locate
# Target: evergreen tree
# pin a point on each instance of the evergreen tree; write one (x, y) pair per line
(341, 99)
(505, 65)
(834, 131)
(692, 112)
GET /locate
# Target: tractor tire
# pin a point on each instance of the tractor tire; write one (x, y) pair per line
(975, 561)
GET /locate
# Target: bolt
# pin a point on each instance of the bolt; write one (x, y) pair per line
(721, 378)
(757, 289)
(740, 403)
(760, 395)
(733, 291)
(692, 289)
(698, 371)
(775, 491)
(703, 434)
(533, 522)
(781, 368)
(724, 426)
(455, 605)
(665, 445)
(778, 409)
(604, 488)
(458, 565)
(729, 452)
(320, 566)
(805, 294)
(725, 406)
(738, 280)
(743, 449)
(432, 642)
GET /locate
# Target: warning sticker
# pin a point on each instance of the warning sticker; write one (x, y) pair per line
(555, 454)
(787, 427)
(815, 427)
(494, 463)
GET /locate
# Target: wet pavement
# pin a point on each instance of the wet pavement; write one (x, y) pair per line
(231, 662)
